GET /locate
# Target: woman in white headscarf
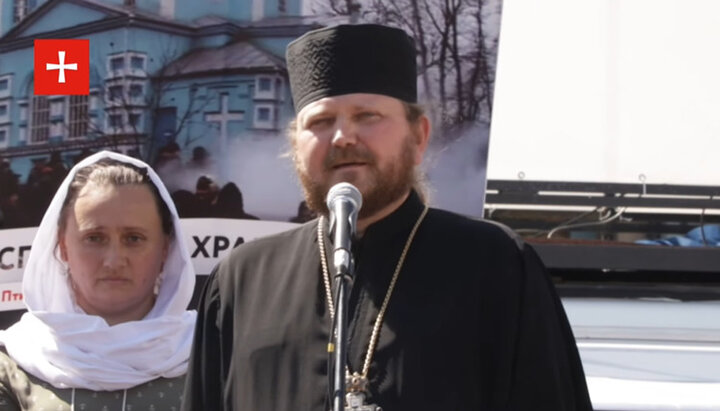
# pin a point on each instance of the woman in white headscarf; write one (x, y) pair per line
(107, 286)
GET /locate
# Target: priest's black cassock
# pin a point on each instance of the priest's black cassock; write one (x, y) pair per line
(474, 323)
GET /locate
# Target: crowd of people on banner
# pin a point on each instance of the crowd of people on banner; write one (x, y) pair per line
(23, 205)
(196, 192)
(192, 185)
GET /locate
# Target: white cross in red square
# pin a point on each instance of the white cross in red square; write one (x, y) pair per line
(61, 66)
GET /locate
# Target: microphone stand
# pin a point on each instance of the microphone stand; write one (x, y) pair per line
(343, 281)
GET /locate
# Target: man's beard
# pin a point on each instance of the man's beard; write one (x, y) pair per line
(379, 187)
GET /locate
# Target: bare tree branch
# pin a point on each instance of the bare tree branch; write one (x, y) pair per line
(456, 51)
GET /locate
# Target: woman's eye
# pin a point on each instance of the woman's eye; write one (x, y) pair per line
(134, 239)
(94, 238)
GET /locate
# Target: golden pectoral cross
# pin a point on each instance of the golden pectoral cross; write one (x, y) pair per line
(356, 393)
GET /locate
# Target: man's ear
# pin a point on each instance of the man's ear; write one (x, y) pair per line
(422, 135)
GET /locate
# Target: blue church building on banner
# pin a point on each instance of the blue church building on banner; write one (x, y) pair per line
(178, 73)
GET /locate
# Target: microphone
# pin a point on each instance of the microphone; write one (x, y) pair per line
(344, 201)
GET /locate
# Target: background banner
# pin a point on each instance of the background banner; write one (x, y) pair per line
(205, 100)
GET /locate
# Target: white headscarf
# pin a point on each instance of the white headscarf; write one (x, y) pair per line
(61, 344)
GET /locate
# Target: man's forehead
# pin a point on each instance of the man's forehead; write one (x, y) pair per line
(355, 100)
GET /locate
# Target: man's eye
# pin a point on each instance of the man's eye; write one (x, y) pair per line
(367, 115)
(320, 122)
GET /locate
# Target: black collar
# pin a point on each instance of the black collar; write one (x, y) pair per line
(398, 223)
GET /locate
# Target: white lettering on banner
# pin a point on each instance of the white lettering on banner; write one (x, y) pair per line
(208, 240)
(211, 239)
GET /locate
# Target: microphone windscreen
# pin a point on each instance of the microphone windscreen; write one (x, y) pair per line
(345, 191)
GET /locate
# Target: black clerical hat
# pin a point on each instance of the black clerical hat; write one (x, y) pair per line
(363, 58)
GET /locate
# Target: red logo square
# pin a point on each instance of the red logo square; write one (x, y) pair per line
(62, 67)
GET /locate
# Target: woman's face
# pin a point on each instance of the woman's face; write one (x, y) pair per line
(115, 248)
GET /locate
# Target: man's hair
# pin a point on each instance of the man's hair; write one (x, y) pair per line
(113, 173)
(413, 112)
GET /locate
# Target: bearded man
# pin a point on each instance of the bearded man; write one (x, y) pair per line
(445, 312)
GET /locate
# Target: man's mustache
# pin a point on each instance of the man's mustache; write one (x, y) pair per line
(340, 156)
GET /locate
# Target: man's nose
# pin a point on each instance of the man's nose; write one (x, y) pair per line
(345, 133)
